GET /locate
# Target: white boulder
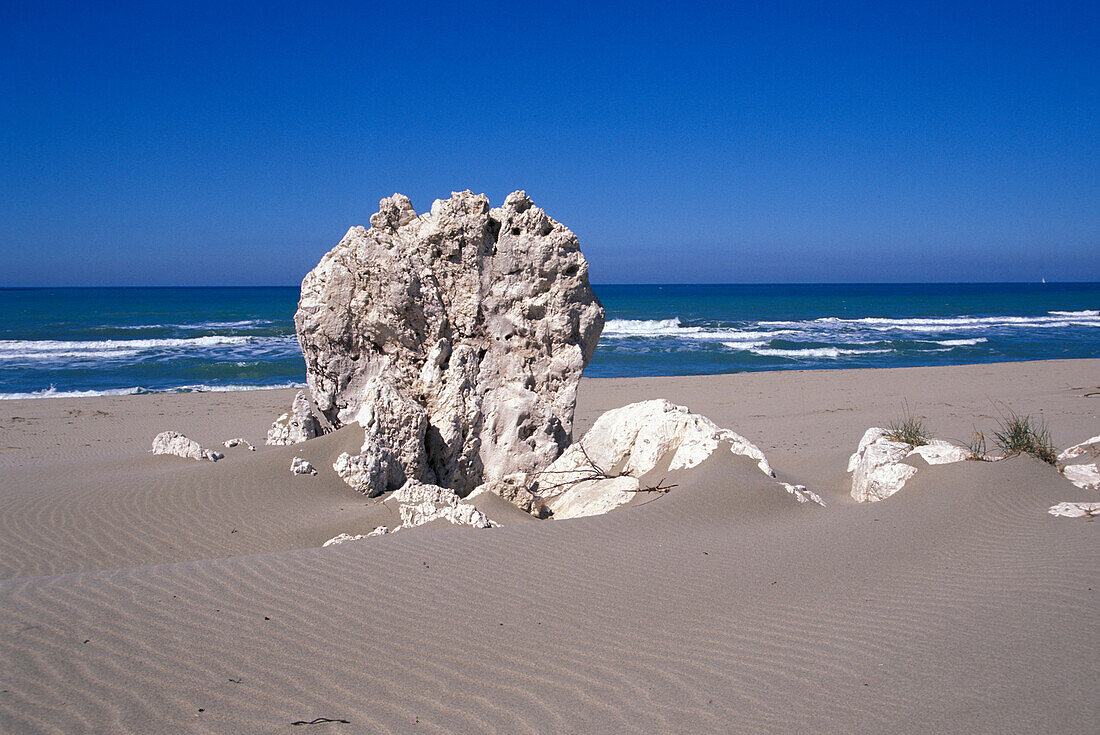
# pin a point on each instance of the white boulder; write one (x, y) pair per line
(877, 468)
(603, 470)
(175, 443)
(456, 338)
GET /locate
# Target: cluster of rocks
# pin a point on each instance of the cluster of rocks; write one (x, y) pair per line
(878, 468)
(607, 467)
(456, 339)
(419, 504)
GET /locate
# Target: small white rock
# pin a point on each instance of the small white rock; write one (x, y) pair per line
(230, 443)
(802, 495)
(1088, 446)
(345, 537)
(1085, 476)
(175, 443)
(1075, 510)
(301, 467)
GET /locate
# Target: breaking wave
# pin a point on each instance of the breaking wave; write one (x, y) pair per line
(52, 392)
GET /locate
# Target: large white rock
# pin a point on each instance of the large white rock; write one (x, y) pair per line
(175, 443)
(457, 338)
(602, 471)
(297, 426)
(877, 468)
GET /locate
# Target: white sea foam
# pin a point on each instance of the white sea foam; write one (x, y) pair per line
(38, 350)
(943, 324)
(52, 392)
(744, 344)
(240, 324)
(646, 327)
(825, 352)
(626, 328)
(960, 342)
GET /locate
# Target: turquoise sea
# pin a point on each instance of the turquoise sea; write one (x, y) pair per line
(87, 341)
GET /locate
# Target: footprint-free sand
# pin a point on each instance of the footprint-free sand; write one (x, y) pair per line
(153, 594)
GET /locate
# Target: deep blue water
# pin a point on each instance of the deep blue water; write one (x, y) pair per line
(126, 340)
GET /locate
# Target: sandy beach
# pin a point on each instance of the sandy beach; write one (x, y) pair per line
(144, 593)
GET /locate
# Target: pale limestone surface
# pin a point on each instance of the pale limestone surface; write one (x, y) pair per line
(1075, 510)
(877, 468)
(420, 503)
(457, 338)
(296, 426)
(175, 443)
(802, 495)
(1085, 474)
(300, 466)
(345, 537)
(604, 469)
(238, 442)
(939, 451)
(1090, 447)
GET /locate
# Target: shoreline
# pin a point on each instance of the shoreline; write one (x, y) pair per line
(186, 390)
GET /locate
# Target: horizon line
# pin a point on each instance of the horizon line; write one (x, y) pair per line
(599, 285)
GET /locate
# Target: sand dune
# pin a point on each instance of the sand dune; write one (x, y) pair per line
(956, 605)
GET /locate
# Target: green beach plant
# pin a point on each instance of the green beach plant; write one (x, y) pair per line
(1025, 435)
(976, 448)
(908, 429)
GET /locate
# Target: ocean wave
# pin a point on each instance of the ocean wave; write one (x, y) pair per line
(646, 327)
(239, 324)
(942, 324)
(627, 328)
(745, 344)
(825, 352)
(38, 350)
(52, 392)
(960, 342)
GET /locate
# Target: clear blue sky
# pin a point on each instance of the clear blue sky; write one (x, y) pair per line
(234, 143)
